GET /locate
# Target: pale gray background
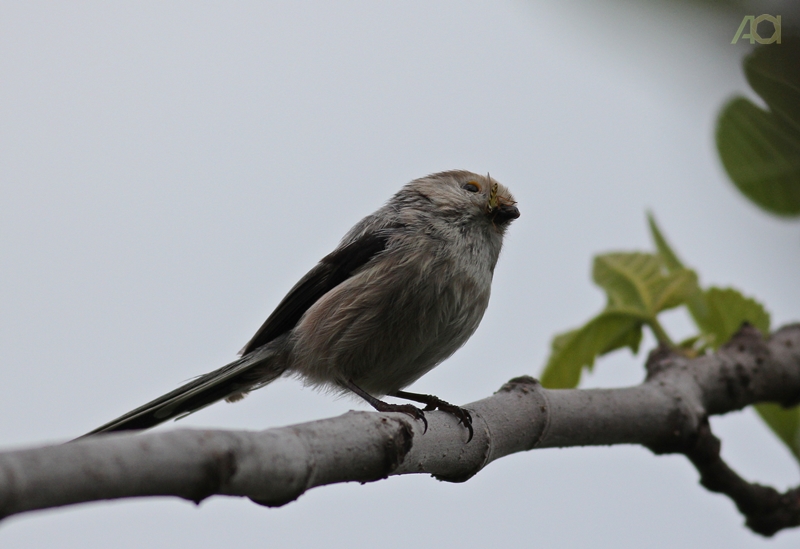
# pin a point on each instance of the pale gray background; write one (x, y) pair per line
(168, 170)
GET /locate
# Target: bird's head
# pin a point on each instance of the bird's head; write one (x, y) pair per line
(466, 195)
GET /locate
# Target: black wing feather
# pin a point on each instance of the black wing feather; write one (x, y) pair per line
(331, 271)
(191, 396)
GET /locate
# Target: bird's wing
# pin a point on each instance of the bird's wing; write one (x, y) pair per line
(331, 271)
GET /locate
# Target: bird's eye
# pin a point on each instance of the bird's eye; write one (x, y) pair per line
(472, 187)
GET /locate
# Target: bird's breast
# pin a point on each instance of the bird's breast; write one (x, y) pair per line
(392, 322)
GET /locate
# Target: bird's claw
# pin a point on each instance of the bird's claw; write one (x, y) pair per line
(414, 412)
(461, 414)
(409, 410)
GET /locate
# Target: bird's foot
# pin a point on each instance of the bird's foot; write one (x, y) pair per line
(432, 402)
(382, 406)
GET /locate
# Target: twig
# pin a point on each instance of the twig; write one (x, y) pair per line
(667, 413)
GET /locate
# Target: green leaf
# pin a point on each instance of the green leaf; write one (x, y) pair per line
(639, 284)
(760, 149)
(576, 349)
(668, 256)
(695, 301)
(727, 311)
(773, 74)
(762, 157)
(784, 422)
(638, 287)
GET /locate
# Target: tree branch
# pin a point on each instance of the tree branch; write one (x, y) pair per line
(667, 413)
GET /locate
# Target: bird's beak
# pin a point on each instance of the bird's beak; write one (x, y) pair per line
(505, 213)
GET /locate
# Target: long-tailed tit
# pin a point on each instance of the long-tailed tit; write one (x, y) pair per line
(405, 288)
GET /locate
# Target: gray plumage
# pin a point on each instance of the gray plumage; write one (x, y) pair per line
(406, 287)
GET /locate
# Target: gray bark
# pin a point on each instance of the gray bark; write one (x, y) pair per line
(668, 412)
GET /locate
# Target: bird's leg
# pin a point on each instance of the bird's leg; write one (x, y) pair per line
(382, 406)
(433, 402)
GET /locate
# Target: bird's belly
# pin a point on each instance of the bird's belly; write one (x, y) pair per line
(384, 341)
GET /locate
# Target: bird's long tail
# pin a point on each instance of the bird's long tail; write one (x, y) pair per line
(253, 370)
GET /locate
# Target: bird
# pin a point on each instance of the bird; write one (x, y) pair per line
(405, 288)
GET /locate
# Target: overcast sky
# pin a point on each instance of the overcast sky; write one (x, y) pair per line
(168, 170)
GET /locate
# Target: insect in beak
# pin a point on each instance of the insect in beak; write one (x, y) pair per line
(501, 210)
(492, 196)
